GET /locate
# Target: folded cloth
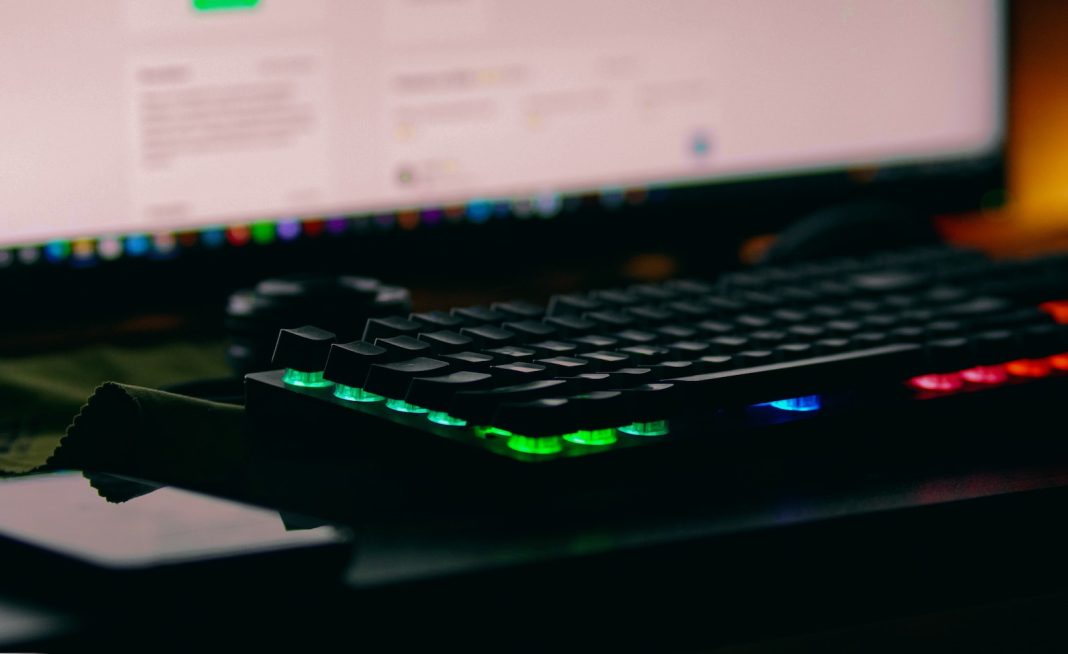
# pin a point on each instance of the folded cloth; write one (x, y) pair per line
(39, 393)
(154, 435)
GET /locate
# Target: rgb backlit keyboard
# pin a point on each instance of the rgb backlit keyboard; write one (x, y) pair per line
(606, 370)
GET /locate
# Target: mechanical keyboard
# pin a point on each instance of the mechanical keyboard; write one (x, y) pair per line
(611, 373)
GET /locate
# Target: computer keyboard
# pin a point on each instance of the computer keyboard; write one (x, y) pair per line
(680, 361)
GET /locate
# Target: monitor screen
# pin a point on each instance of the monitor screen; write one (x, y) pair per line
(133, 127)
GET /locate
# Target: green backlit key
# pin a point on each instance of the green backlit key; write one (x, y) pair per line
(347, 367)
(303, 352)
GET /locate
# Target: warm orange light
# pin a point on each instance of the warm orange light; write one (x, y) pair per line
(985, 375)
(1029, 367)
(1059, 361)
(1058, 309)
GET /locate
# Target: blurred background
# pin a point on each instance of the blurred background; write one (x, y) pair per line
(1036, 200)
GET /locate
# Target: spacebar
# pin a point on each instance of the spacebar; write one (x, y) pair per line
(776, 381)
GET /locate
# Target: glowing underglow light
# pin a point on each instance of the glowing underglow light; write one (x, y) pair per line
(652, 428)
(804, 403)
(442, 418)
(530, 445)
(353, 394)
(305, 379)
(488, 432)
(592, 437)
(1032, 368)
(404, 407)
(1059, 361)
(988, 375)
(942, 382)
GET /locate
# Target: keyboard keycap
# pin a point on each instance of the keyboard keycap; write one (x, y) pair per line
(649, 315)
(653, 292)
(595, 342)
(729, 344)
(716, 362)
(807, 332)
(604, 360)
(479, 315)
(689, 349)
(487, 336)
(768, 337)
(949, 355)
(437, 320)
(652, 402)
(679, 332)
(467, 360)
(599, 410)
(572, 305)
(404, 347)
(435, 393)
(993, 347)
(518, 371)
(590, 381)
(554, 348)
(304, 348)
(536, 418)
(566, 365)
(747, 358)
(445, 341)
(389, 327)
(519, 309)
(666, 369)
(716, 327)
(609, 319)
(573, 325)
(635, 337)
(791, 351)
(629, 377)
(348, 363)
(479, 407)
(392, 379)
(1042, 340)
(616, 298)
(528, 330)
(749, 321)
(512, 353)
(642, 354)
(689, 309)
(887, 281)
(688, 287)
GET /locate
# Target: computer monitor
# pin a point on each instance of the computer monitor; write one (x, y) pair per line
(147, 129)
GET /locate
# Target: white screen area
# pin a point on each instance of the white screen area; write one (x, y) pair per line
(126, 116)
